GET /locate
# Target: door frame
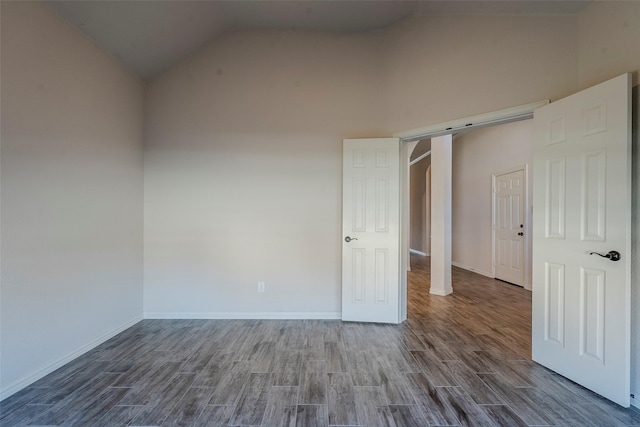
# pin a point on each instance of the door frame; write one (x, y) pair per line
(408, 137)
(427, 207)
(527, 223)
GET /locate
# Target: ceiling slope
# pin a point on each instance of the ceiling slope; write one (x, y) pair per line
(150, 36)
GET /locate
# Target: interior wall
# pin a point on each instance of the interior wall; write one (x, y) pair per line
(71, 177)
(476, 156)
(243, 151)
(441, 68)
(243, 166)
(609, 41)
(419, 238)
(609, 46)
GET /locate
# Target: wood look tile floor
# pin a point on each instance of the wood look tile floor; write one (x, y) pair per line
(463, 359)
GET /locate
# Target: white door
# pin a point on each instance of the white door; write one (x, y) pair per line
(371, 230)
(509, 238)
(582, 204)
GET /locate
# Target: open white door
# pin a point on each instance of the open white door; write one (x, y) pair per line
(582, 205)
(371, 230)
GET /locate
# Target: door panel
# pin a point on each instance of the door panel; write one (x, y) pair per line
(371, 215)
(582, 204)
(554, 326)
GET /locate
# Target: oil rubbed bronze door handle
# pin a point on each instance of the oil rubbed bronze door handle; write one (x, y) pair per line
(612, 255)
(348, 239)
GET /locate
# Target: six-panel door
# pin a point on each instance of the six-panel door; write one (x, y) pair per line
(582, 205)
(370, 230)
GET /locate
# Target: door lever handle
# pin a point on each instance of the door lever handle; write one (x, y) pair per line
(348, 239)
(612, 255)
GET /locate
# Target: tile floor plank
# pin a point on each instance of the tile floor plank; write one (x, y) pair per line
(503, 416)
(407, 415)
(313, 390)
(312, 416)
(463, 407)
(281, 407)
(335, 357)
(188, 409)
(253, 400)
(76, 402)
(287, 369)
(214, 416)
(436, 370)
(96, 408)
(479, 391)
(162, 402)
(434, 408)
(341, 400)
(371, 407)
(231, 384)
(118, 416)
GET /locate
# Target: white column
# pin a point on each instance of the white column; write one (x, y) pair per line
(441, 215)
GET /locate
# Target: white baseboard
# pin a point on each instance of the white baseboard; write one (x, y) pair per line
(417, 252)
(43, 371)
(275, 315)
(466, 267)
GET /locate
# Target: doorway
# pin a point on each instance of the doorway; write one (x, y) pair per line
(510, 206)
(477, 155)
(420, 189)
(587, 117)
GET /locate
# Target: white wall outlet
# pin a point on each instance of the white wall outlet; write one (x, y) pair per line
(260, 286)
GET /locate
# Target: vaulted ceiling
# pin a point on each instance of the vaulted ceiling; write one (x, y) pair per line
(150, 36)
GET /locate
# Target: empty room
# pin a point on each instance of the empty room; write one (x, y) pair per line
(207, 213)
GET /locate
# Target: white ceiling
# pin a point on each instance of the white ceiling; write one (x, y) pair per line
(149, 36)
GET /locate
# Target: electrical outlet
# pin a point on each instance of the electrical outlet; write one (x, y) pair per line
(260, 286)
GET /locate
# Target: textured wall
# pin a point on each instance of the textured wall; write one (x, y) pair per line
(71, 194)
(243, 166)
(243, 146)
(440, 68)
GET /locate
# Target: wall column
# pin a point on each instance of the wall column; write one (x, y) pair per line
(441, 161)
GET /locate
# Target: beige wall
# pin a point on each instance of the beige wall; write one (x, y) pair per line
(243, 168)
(440, 68)
(243, 146)
(609, 41)
(610, 46)
(71, 194)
